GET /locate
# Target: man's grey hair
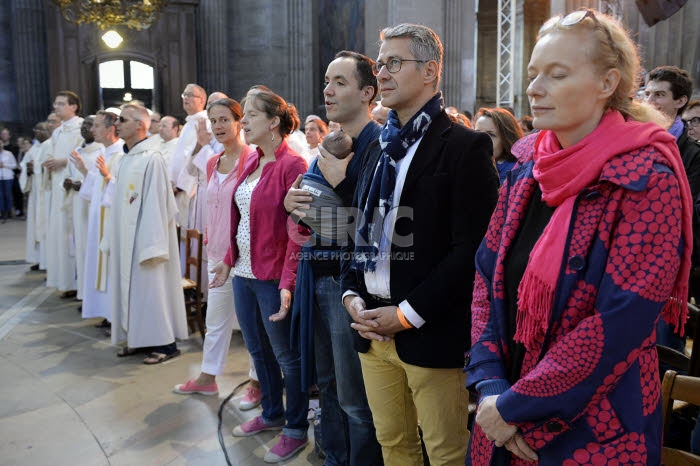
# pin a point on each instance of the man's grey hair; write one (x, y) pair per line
(425, 43)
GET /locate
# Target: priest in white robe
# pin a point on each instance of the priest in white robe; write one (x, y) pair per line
(194, 99)
(43, 181)
(169, 131)
(87, 153)
(29, 183)
(60, 254)
(193, 176)
(96, 299)
(148, 309)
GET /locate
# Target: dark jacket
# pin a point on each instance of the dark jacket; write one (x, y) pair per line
(452, 188)
(690, 153)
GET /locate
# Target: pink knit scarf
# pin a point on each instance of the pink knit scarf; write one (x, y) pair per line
(562, 175)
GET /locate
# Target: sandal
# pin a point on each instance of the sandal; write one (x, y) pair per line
(157, 358)
(126, 351)
(104, 324)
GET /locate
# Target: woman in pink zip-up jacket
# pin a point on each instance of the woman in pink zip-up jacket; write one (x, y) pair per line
(264, 259)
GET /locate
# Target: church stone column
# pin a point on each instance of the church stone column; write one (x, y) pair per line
(8, 92)
(417, 11)
(301, 56)
(459, 68)
(31, 62)
(212, 42)
(273, 47)
(376, 19)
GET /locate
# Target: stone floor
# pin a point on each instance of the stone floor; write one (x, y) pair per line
(66, 399)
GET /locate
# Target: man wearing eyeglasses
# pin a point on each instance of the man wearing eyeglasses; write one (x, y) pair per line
(194, 99)
(148, 308)
(425, 200)
(691, 119)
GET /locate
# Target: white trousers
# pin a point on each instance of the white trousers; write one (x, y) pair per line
(221, 321)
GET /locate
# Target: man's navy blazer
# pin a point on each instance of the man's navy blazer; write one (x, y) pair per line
(450, 191)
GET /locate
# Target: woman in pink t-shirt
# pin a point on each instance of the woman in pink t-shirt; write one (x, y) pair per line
(222, 173)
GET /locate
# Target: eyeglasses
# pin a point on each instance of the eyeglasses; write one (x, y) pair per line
(575, 18)
(123, 120)
(692, 123)
(392, 66)
(191, 95)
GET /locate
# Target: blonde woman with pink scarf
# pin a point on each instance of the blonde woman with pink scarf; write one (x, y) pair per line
(588, 247)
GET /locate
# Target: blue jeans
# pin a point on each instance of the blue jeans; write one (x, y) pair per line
(5, 196)
(269, 345)
(348, 437)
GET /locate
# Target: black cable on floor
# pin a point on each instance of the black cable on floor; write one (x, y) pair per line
(220, 414)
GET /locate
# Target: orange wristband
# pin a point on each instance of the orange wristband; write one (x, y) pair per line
(405, 323)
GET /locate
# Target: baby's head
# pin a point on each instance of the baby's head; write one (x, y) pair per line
(338, 143)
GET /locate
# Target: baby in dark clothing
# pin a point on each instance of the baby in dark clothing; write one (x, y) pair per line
(326, 206)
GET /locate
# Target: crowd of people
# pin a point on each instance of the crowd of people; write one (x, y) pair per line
(395, 257)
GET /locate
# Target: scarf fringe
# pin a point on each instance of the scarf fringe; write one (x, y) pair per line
(675, 312)
(535, 301)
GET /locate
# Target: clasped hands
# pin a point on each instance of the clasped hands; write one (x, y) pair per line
(500, 432)
(380, 324)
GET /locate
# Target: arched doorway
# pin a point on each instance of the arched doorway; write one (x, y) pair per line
(124, 80)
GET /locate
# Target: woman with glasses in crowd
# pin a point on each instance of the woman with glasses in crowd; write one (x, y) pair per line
(589, 245)
(264, 258)
(504, 131)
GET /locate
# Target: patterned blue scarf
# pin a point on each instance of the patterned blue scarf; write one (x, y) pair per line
(394, 141)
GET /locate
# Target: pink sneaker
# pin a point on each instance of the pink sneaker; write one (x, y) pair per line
(191, 387)
(285, 448)
(254, 426)
(252, 399)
